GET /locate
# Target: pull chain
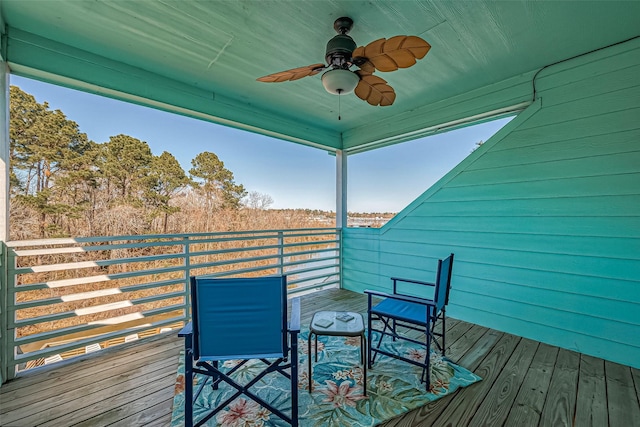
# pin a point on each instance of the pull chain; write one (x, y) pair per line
(339, 104)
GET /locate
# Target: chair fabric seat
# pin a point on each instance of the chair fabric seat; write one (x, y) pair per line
(403, 310)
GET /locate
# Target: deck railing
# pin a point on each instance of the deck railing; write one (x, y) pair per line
(70, 296)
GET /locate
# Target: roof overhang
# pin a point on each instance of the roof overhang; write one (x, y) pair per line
(201, 59)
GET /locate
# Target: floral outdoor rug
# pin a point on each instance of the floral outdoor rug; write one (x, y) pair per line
(337, 400)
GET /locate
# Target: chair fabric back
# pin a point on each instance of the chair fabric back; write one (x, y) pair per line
(239, 318)
(443, 282)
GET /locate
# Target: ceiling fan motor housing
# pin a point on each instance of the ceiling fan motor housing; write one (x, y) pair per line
(339, 50)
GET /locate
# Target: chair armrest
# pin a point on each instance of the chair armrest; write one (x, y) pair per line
(187, 330)
(397, 279)
(294, 323)
(400, 297)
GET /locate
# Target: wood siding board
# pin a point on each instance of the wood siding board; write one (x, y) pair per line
(362, 257)
(591, 65)
(597, 287)
(362, 280)
(613, 226)
(360, 245)
(587, 325)
(427, 265)
(550, 172)
(578, 207)
(554, 335)
(607, 127)
(619, 311)
(601, 184)
(416, 248)
(622, 400)
(559, 408)
(360, 287)
(605, 85)
(620, 269)
(591, 408)
(616, 121)
(585, 108)
(588, 76)
(604, 247)
(596, 145)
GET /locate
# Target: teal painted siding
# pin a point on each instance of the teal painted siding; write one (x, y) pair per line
(544, 218)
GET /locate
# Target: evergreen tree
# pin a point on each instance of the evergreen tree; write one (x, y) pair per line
(217, 184)
(45, 146)
(124, 163)
(166, 178)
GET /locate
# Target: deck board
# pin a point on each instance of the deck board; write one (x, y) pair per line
(559, 408)
(494, 411)
(488, 369)
(621, 396)
(527, 406)
(591, 409)
(524, 383)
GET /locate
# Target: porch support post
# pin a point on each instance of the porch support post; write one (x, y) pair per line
(341, 189)
(4, 212)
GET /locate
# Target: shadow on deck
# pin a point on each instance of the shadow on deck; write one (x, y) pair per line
(525, 383)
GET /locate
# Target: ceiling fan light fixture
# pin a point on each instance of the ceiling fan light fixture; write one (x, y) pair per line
(340, 81)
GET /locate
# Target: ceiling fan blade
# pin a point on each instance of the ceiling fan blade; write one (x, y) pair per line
(391, 54)
(366, 68)
(374, 90)
(293, 74)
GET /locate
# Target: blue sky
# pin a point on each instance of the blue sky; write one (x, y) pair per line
(305, 178)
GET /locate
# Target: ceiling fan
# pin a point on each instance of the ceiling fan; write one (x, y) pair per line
(342, 54)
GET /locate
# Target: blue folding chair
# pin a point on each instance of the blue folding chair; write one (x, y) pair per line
(240, 319)
(418, 313)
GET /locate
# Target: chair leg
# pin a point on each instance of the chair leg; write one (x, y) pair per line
(427, 358)
(309, 367)
(363, 346)
(188, 388)
(215, 380)
(375, 352)
(294, 380)
(444, 346)
(369, 337)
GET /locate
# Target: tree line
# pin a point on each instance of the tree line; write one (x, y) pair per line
(63, 184)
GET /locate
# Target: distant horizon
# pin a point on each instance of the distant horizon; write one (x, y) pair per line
(293, 175)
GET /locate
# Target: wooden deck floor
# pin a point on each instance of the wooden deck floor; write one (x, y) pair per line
(525, 383)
